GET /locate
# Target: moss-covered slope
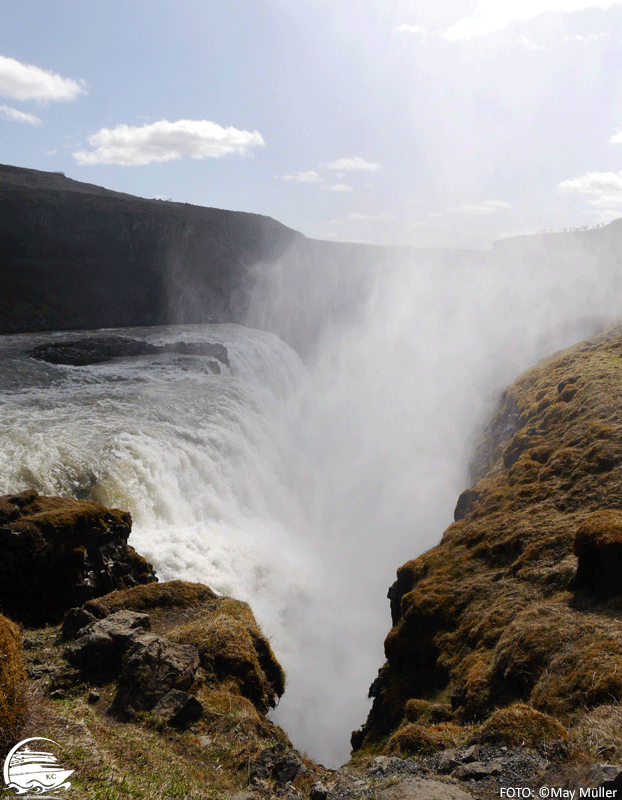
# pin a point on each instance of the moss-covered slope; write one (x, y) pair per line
(499, 615)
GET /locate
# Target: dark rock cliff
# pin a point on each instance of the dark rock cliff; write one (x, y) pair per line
(73, 255)
(510, 627)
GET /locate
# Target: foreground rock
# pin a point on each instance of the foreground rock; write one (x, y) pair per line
(518, 608)
(213, 649)
(56, 552)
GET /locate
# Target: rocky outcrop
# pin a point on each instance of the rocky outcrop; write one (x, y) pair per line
(518, 607)
(56, 553)
(97, 349)
(212, 647)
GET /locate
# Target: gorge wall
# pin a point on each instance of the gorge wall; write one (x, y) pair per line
(511, 625)
(77, 256)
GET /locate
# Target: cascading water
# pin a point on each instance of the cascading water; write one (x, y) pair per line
(299, 488)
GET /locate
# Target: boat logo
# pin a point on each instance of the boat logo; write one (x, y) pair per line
(30, 769)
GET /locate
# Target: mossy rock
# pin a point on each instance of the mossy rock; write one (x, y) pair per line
(521, 600)
(233, 650)
(519, 725)
(425, 739)
(12, 683)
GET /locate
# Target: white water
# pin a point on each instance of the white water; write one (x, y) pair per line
(299, 488)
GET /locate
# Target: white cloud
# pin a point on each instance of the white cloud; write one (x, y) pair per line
(385, 216)
(310, 176)
(410, 29)
(165, 141)
(19, 116)
(594, 183)
(27, 82)
(434, 213)
(354, 163)
(339, 187)
(493, 15)
(487, 207)
(330, 236)
(616, 138)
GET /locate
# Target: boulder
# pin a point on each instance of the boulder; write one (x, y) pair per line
(56, 553)
(279, 763)
(178, 708)
(74, 620)
(477, 770)
(101, 645)
(423, 789)
(154, 667)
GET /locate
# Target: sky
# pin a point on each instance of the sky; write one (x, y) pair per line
(418, 122)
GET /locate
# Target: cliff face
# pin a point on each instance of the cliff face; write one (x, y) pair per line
(512, 623)
(73, 255)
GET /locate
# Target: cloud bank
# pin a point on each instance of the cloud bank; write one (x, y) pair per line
(27, 82)
(165, 141)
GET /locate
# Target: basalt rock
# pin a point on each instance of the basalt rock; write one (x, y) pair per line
(97, 349)
(101, 646)
(515, 614)
(153, 668)
(56, 553)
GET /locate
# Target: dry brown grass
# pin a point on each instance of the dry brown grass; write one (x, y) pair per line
(12, 683)
(518, 726)
(231, 647)
(425, 739)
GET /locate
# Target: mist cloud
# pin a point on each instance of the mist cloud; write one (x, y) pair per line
(27, 82)
(19, 116)
(165, 141)
(490, 15)
(339, 187)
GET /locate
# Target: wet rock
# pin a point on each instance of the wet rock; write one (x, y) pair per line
(98, 349)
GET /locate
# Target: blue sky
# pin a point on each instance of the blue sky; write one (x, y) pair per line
(389, 121)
